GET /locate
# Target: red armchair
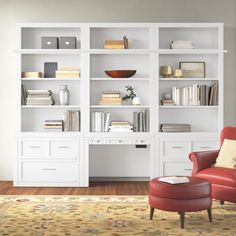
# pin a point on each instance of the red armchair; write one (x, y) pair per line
(223, 180)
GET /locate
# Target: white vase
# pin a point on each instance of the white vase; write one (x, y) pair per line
(136, 101)
(64, 95)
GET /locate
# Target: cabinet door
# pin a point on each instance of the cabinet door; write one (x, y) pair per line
(177, 168)
(175, 148)
(205, 145)
(63, 148)
(35, 148)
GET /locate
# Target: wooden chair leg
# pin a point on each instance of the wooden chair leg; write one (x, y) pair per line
(182, 216)
(209, 214)
(222, 202)
(151, 212)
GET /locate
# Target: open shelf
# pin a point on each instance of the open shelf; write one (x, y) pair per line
(52, 107)
(188, 107)
(51, 79)
(120, 79)
(49, 51)
(189, 51)
(121, 107)
(189, 79)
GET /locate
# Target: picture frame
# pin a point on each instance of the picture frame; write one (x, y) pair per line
(193, 69)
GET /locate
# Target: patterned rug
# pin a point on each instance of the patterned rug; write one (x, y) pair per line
(105, 215)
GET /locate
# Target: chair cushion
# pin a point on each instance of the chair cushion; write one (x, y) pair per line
(227, 154)
(219, 175)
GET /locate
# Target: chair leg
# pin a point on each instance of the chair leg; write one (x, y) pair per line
(209, 214)
(151, 212)
(222, 202)
(182, 216)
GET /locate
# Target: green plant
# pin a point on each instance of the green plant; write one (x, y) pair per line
(131, 93)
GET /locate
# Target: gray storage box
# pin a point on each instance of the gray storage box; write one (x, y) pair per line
(67, 42)
(49, 42)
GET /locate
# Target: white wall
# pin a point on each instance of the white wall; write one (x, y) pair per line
(13, 11)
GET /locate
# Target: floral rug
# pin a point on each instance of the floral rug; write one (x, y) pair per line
(105, 215)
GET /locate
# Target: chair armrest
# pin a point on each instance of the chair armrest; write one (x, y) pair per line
(202, 160)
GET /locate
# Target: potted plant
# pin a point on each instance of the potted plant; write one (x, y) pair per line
(131, 95)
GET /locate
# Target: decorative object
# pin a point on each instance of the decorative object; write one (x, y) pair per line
(117, 44)
(178, 73)
(49, 42)
(166, 71)
(120, 73)
(181, 44)
(64, 96)
(166, 96)
(131, 93)
(136, 101)
(67, 42)
(50, 69)
(192, 69)
(105, 215)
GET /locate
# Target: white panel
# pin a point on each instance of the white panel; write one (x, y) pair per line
(37, 148)
(177, 168)
(176, 148)
(205, 145)
(63, 148)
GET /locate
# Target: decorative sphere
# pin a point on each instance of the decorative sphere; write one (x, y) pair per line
(166, 96)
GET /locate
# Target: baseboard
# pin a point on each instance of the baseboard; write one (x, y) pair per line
(119, 179)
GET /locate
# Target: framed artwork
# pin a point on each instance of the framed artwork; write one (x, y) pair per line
(192, 69)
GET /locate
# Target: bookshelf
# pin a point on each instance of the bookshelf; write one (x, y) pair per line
(111, 155)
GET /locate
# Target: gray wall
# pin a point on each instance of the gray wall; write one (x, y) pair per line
(13, 11)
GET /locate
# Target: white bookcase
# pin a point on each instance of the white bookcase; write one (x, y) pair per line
(71, 158)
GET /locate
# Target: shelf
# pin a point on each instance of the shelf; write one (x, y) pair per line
(49, 51)
(189, 79)
(53, 107)
(120, 107)
(190, 107)
(190, 51)
(50, 79)
(120, 79)
(119, 51)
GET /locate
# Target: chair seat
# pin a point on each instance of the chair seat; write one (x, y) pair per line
(219, 176)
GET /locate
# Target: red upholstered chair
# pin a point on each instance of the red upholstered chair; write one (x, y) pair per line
(223, 180)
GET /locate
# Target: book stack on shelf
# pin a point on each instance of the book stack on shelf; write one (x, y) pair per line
(121, 126)
(71, 121)
(117, 44)
(167, 102)
(39, 98)
(181, 44)
(100, 121)
(110, 98)
(196, 95)
(175, 128)
(68, 72)
(53, 125)
(141, 121)
(31, 74)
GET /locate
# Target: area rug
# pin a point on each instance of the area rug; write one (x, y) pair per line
(105, 215)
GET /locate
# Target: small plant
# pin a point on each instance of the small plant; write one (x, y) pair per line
(131, 93)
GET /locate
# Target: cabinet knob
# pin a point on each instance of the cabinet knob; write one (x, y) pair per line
(45, 169)
(177, 147)
(33, 147)
(63, 147)
(120, 141)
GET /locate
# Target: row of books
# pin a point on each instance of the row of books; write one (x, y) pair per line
(175, 128)
(112, 98)
(68, 72)
(71, 120)
(100, 121)
(53, 125)
(141, 121)
(117, 44)
(196, 95)
(39, 98)
(181, 44)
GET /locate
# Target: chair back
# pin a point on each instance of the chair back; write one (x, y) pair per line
(228, 132)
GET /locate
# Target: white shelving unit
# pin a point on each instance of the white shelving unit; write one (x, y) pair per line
(71, 158)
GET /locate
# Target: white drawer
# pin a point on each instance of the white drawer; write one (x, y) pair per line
(120, 141)
(49, 171)
(142, 141)
(63, 148)
(177, 168)
(97, 141)
(176, 148)
(205, 146)
(35, 148)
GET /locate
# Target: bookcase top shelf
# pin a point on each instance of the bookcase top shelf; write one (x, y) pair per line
(121, 107)
(51, 79)
(53, 107)
(190, 107)
(189, 79)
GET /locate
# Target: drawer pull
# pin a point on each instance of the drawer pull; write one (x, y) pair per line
(177, 147)
(63, 147)
(205, 147)
(34, 147)
(98, 141)
(188, 169)
(120, 141)
(45, 169)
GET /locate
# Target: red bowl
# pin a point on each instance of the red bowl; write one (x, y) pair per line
(120, 73)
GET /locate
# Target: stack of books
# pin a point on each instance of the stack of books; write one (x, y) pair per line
(100, 121)
(31, 74)
(71, 121)
(68, 72)
(181, 44)
(111, 98)
(141, 121)
(196, 95)
(53, 125)
(121, 126)
(167, 102)
(117, 44)
(39, 98)
(175, 128)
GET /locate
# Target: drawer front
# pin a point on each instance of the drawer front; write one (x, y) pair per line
(49, 171)
(176, 148)
(63, 148)
(177, 168)
(97, 141)
(142, 141)
(120, 141)
(205, 146)
(35, 148)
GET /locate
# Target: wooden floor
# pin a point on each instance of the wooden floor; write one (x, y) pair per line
(96, 188)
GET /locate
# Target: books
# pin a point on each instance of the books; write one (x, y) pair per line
(98, 122)
(181, 44)
(39, 98)
(68, 72)
(71, 121)
(175, 128)
(141, 121)
(23, 95)
(31, 74)
(117, 44)
(112, 98)
(121, 126)
(167, 102)
(174, 180)
(55, 125)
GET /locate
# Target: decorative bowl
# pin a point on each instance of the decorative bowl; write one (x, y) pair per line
(166, 71)
(120, 73)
